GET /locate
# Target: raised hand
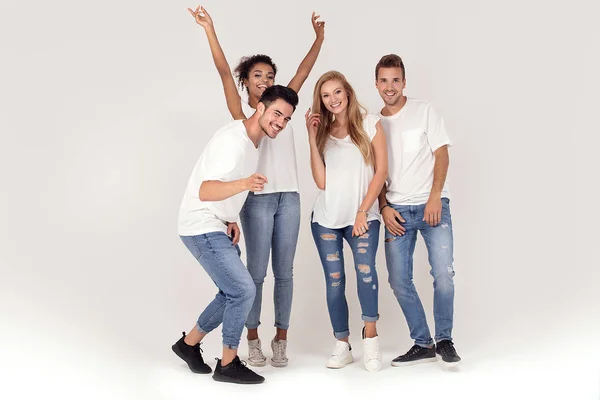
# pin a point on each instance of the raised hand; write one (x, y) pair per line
(312, 124)
(318, 26)
(201, 16)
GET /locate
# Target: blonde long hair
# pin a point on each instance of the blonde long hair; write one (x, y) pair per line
(355, 112)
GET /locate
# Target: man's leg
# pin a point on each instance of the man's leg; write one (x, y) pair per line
(440, 247)
(399, 258)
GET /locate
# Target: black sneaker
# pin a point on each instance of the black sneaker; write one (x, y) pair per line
(236, 372)
(415, 355)
(447, 353)
(191, 355)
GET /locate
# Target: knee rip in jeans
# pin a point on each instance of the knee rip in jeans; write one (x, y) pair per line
(451, 270)
(362, 251)
(365, 244)
(333, 257)
(445, 226)
(364, 268)
(337, 276)
(446, 247)
(368, 279)
(390, 239)
(328, 236)
(364, 236)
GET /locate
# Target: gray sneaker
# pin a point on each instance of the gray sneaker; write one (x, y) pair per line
(256, 358)
(279, 358)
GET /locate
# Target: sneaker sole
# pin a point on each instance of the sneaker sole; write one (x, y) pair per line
(279, 364)
(224, 379)
(448, 364)
(415, 362)
(180, 355)
(338, 366)
(257, 364)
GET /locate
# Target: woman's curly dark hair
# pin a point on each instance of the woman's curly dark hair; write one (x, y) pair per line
(242, 71)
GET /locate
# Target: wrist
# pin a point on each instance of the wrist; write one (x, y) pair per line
(361, 211)
(382, 207)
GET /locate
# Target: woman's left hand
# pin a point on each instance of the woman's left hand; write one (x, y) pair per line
(360, 224)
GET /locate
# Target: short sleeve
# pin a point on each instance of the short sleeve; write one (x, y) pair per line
(370, 125)
(224, 160)
(436, 131)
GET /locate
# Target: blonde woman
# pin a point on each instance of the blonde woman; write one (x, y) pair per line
(349, 164)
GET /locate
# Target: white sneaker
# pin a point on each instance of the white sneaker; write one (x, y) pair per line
(256, 358)
(341, 356)
(371, 354)
(279, 358)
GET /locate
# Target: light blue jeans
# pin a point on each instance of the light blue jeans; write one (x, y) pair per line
(399, 256)
(271, 223)
(221, 260)
(330, 244)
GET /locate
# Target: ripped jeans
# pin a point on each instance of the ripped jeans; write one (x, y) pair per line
(399, 257)
(330, 244)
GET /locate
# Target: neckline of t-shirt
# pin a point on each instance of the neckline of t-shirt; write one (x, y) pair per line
(345, 138)
(245, 135)
(397, 113)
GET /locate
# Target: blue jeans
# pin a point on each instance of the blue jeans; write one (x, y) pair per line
(330, 245)
(271, 223)
(221, 260)
(399, 256)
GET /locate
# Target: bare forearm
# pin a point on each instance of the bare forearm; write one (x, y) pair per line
(440, 171)
(374, 190)
(217, 190)
(217, 52)
(306, 65)
(382, 195)
(317, 166)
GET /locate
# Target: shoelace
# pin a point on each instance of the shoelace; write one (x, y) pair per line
(413, 350)
(447, 349)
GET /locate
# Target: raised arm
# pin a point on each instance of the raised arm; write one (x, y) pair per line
(309, 61)
(316, 162)
(232, 97)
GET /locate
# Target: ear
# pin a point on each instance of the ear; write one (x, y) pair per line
(404, 83)
(260, 107)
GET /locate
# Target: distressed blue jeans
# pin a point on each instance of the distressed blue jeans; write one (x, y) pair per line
(330, 245)
(399, 257)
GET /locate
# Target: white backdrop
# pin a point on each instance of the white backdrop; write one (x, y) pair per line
(105, 108)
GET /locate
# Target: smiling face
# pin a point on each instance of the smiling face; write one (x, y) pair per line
(390, 85)
(260, 77)
(334, 96)
(275, 117)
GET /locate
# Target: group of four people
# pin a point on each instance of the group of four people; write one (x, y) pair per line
(390, 166)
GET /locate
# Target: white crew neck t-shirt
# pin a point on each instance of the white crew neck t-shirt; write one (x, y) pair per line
(347, 179)
(229, 155)
(277, 159)
(413, 134)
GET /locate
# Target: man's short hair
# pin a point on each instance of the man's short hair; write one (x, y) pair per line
(271, 94)
(390, 61)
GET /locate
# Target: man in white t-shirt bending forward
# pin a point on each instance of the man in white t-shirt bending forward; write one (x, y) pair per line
(416, 199)
(215, 194)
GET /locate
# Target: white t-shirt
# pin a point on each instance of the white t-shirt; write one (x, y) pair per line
(347, 179)
(413, 134)
(277, 159)
(229, 155)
